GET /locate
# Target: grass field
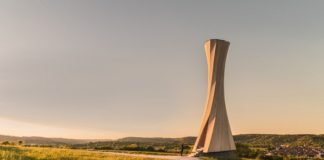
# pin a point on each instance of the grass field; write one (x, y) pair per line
(144, 152)
(41, 153)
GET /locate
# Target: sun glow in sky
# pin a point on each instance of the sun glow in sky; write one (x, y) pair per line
(109, 69)
(19, 128)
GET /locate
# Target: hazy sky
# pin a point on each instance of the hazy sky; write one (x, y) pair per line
(108, 69)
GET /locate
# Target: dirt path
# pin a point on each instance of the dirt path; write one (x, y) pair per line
(154, 156)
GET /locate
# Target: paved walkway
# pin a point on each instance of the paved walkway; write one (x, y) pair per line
(154, 156)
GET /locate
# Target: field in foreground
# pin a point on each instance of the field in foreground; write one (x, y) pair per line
(41, 153)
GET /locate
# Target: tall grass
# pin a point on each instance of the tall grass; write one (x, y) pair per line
(41, 153)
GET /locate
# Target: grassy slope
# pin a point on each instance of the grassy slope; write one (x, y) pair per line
(264, 140)
(38, 153)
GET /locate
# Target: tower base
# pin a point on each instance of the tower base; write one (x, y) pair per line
(224, 155)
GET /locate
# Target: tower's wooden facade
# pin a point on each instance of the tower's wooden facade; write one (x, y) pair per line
(215, 133)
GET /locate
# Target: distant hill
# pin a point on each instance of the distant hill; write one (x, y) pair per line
(266, 140)
(43, 140)
(186, 140)
(254, 140)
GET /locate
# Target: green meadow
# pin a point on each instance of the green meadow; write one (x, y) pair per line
(43, 153)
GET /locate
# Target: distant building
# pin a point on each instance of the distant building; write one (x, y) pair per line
(299, 151)
(320, 154)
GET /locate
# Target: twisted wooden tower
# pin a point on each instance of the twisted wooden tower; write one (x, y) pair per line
(215, 133)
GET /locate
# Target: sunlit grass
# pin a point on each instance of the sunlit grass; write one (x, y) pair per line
(41, 153)
(144, 152)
